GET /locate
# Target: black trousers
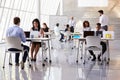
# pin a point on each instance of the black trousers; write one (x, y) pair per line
(25, 54)
(105, 27)
(104, 48)
(72, 29)
(62, 36)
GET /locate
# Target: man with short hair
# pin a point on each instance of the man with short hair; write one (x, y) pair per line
(72, 24)
(16, 31)
(103, 20)
(102, 43)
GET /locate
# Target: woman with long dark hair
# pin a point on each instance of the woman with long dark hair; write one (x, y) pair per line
(35, 45)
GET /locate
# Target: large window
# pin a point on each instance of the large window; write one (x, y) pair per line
(25, 9)
(92, 3)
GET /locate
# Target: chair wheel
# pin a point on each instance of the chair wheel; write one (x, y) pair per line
(76, 61)
(50, 61)
(29, 65)
(51, 47)
(81, 58)
(43, 65)
(107, 62)
(10, 63)
(83, 62)
(3, 67)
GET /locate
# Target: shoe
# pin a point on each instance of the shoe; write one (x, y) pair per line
(99, 58)
(22, 65)
(34, 60)
(94, 58)
(61, 40)
(17, 64)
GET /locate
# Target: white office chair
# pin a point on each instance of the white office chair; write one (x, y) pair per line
(92, 43)
(67, 35)
(15, 43)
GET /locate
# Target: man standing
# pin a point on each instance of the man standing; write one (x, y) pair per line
(72, 24)
(103, 20)
(16, 31)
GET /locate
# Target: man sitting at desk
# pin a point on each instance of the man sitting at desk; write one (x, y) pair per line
(16, 31)
(103, 44)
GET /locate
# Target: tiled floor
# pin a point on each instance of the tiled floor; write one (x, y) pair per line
(64, 66)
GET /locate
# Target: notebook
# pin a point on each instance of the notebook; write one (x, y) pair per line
(88, 33)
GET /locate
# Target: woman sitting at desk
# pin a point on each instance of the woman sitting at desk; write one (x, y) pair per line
(45, 29)
(35, 45)
(86, 26)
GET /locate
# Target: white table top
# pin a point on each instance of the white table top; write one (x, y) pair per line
(38, 39)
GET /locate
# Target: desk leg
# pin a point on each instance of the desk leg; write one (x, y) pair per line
(78, 51)
(108, 58)
(49, 52)
(42, 46)
(82, 51)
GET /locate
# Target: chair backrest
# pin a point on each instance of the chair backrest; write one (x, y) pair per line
(13, 42)
(93, 41)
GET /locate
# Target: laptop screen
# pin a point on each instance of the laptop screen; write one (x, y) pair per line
(34, 34)
(99, 33)
(27, 34)
(88, 33)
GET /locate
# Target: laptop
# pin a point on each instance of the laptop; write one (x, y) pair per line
(27, 34)
(34, 34)
(99, 33)
(88, 33)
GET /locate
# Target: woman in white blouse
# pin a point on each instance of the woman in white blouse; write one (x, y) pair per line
(86, 26)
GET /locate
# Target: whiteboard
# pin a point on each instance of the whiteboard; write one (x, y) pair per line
(51, 21)
(62, 20)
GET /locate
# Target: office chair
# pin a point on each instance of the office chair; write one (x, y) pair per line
(14, 43)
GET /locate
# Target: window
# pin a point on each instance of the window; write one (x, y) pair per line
(25, 9)
(92, 3)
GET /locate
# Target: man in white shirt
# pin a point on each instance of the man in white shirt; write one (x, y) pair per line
(72, 24)
(57, 32)
(103, 20)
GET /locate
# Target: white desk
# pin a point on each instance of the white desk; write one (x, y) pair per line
(82, 40)
(49, 35)
(42, 40)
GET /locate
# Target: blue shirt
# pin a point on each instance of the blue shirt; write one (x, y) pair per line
(16, 31)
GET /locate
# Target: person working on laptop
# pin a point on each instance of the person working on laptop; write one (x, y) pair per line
(36, 45)
(16, 31)
(45, 29)
(103, 44)
(86, 26)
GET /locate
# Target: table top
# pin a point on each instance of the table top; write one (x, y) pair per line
(48, 33)
(38, 39)
(101, 38)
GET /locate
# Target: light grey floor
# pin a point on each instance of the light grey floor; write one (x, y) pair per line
(64, 66)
